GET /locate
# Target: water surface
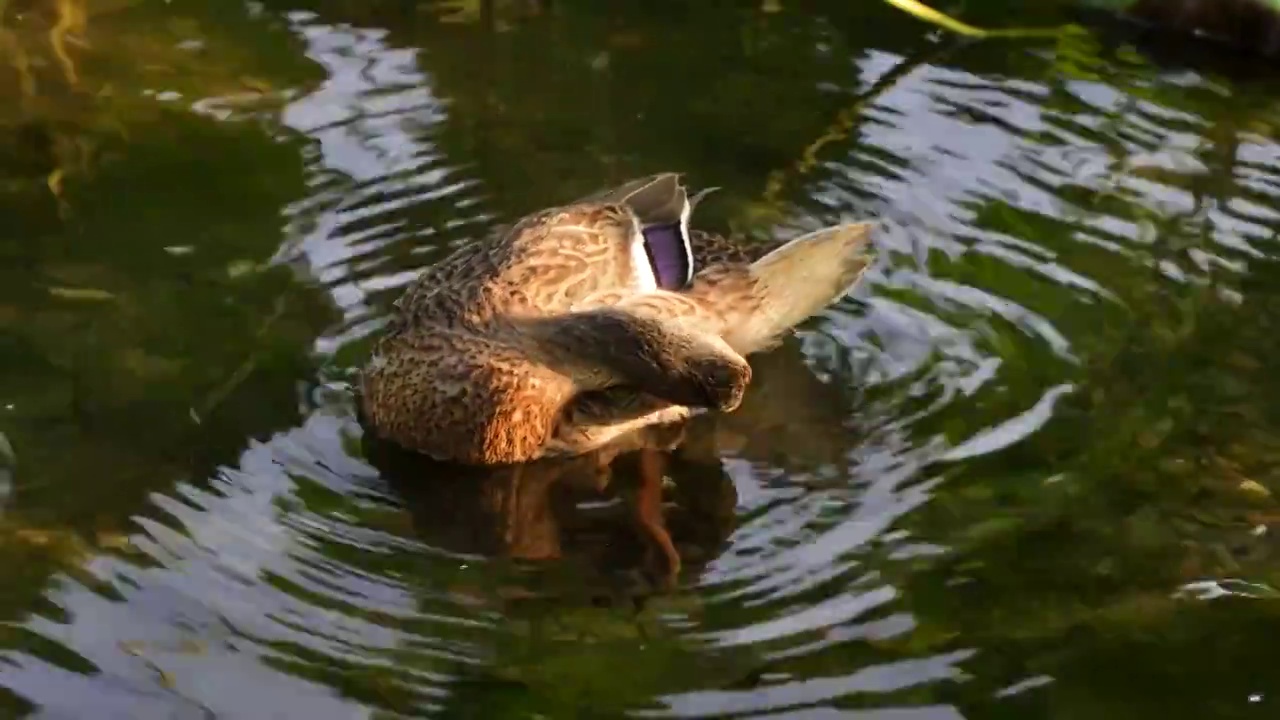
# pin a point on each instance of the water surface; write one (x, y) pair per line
(1025, 470)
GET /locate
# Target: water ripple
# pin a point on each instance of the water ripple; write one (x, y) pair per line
(1027, 217)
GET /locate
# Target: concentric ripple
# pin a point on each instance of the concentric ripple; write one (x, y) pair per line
(940, 499)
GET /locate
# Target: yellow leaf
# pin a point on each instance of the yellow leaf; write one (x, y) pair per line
(74, 293)
(1254, 488)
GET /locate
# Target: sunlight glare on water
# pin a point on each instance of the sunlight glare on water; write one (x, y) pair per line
(1023, 470)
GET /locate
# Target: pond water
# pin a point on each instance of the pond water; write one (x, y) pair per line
(1025, 470)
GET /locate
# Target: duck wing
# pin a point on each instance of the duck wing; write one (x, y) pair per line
(662, 204)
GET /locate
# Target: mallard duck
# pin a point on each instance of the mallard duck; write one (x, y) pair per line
(584, 322)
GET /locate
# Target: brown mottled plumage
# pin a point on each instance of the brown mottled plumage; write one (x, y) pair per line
(552, 338)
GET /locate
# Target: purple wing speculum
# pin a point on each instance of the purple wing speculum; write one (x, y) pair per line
(668, 255)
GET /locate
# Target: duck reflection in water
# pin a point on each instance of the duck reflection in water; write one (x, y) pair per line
(606, 511)
(603, 509)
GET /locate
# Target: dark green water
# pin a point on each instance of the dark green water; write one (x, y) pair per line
(1025, 471)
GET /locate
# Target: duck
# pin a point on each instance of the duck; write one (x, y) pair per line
(578, 324)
